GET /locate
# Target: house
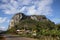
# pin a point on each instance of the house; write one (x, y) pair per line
(33, 33)
(20, 31)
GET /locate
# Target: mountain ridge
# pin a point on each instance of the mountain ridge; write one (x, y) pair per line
(20, 16)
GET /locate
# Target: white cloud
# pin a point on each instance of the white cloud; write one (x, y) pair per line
(32, 7)
(2, 28)
(31, 10)
(44, 7)
(3, 19)
(3, 23)
(22, 9)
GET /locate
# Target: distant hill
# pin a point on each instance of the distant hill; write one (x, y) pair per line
(1, 31)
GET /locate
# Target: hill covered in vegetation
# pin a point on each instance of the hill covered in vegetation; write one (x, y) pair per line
(32, 26)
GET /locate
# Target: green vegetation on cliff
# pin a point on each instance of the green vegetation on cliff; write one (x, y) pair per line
(32, 28)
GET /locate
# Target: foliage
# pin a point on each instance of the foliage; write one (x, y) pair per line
(43, 27)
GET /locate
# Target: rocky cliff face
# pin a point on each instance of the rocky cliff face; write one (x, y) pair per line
(20, 16)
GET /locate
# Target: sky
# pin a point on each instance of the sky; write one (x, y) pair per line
(49, 8)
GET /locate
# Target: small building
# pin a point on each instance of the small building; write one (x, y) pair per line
(20, 31)
(34, 33)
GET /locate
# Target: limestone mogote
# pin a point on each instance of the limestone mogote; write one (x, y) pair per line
(20, 16)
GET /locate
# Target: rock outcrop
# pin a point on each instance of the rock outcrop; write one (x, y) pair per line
(20, 16)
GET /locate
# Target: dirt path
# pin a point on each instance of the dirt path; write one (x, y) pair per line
(14, 37)
(20, 38)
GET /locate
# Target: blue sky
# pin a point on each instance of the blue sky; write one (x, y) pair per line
(49, 8)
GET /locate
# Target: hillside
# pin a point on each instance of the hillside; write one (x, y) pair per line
(20, 18)
(32, 26)
(20, 21)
